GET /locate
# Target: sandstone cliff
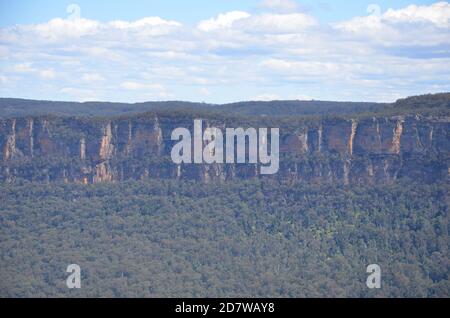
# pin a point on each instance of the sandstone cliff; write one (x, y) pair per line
(138, 147)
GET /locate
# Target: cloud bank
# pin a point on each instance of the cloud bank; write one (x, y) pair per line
(277, 52)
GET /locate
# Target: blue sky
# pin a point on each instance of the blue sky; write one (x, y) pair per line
(192, 11)
(223, 50)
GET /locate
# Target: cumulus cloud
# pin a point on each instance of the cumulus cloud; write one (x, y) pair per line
(61, 28)
(437, 14)
(143, 23)
(261, 23)
(413, 31)
(67, 29)
(224, 20)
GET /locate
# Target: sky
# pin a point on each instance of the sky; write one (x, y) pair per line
(222, 51)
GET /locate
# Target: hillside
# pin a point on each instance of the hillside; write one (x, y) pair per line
(240, 239)
(353, 189)
(13, 107)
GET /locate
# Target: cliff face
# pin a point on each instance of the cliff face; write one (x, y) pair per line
(349, 151)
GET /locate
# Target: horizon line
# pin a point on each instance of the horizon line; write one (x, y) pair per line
(216, 104)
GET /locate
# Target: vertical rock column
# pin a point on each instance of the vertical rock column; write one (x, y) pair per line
(31, 137)
(10, 149)
(103, 170)
(396, 139)
(352, 137)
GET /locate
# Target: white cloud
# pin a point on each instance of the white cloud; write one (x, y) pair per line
(61, 28)
(129, 85)
(68, 29)
(224, 20)
(414, 31)
(262, 23)
(146, 27)
(437, 14)
(143, 23)
(277, 23)
(280, 5)
(357, 24)
(173, 55)
(268, 55)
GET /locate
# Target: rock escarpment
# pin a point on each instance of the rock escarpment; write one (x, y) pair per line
(369, 150)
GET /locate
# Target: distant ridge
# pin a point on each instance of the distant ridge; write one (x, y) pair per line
(16, 107)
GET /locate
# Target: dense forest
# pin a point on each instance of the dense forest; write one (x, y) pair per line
(249, 238)
(432, 103)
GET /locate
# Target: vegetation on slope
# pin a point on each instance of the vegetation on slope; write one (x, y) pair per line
(248, 238)
(428, 104)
